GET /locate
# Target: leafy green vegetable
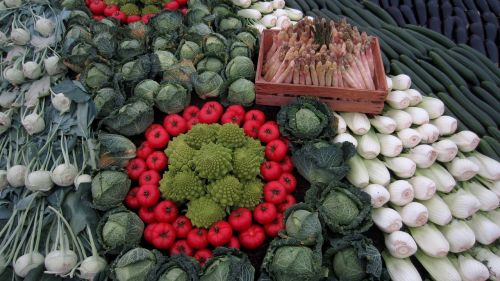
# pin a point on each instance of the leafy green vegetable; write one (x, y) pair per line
(109, 188)
(97, 75)
(131, 119)
(247, 38)
(240, 67)
(321, 162)
(353, 258)
(230, 25)
(199, 14)
(343, 208)
(134, 265)
(241, 91)
(114, 150)
(128, 49)
(175, 268)
(208, 84)
(141, 68)
(209, 64)
(215, 45)
(119, 229)
(240, 49)
(167, 59)
(306, 119)
(167, 22)
(106, 100)
(227, 265)
(147, 90)
(172, 98)
(198, 32)
(190, 51)
(302, 223)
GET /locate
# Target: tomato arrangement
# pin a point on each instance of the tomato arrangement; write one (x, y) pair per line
(101, 10)
(167, 228)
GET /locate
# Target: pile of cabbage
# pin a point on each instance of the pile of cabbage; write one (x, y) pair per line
(130, 69)
(434, 196)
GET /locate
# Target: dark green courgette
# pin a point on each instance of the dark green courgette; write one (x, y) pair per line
(403, 43)
(437, 37)
(440, 63)
(493, 143)
(292, 4)
(379, 12)
(486, 97)
(462, 114)
(396, 46)
(485, 148)
(462, 99)
(466, 73)
(438, 74)
(424, 39)
(483, 106)
(406, 37)
(425, 89)
(472, 65)
(474, 55)
(303, 5)
(333, 7)
(494, 131)
(354, 16)
(422, 74)
(491, 88)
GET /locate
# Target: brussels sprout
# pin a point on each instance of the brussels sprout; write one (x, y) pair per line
(242, 92)
(230, 25)
(109, 188)
(147, 90)
(106, 100)
(120, 229)
(131, 119)
(303, 224)
(239, 49)
(134, 265)
(198, 32)
(172, 98)
(97, 76)
(190, 51)
(240, 67)
(166, 58)
(247, 38)
(210, 64)
(208, 84)
(215, 45)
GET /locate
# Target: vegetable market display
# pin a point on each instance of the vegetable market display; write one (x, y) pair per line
(112, 170)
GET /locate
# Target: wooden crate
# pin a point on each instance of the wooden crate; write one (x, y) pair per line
(339, 99)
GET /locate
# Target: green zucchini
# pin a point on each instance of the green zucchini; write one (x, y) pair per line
(333, 7)
(399, 40)
(437, 37)
(459, 67)
(354, 16)
(460, 124)
(292, 4)
(379, 12)
(386, 63)
(370, 18)
(440, 63)
(485, 148)
(424, 39)
(472, 65)
(486, 97)
(438, 74)
(473, 57)
(388, 50)
(396, 46)
(407, 38)
(462, 99)
(320, 14)
(494, 131)
(493, 143)
(483, 106)
(422, 74)
(303, 5)
(462, 114)
(425, 89)
(331, 15)
(486, 61)
(491, 88)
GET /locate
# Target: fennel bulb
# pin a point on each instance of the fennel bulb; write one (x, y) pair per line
(440, 176)
(433, 106)
(459, 235)
(403, 120)
(462, 169)
(413, 214)
(466, 141)
(487, 198)
(428, 132)
(485, 230)
(430, 240)
(423, 187)
(390, 145)
(401, 192)
(401, 166)
(345, 137)
(358, 174)
(488, 168)
(368, 145)
(446, 125)
(462, 204)
(409, 137)
(471, 269)
(379, 194)
(491, 260)
(423, 155)
(401, 82)
(446, 150)
(377, 171)
(387, 219)
(440, 268)
(383, 124)
(418, 115)
(398, 99)
(400, 244)
(358, 123)
(401, 269)
(439, 212)
(415, 97)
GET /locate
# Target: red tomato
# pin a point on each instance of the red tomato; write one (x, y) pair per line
(251, 128)
(147, 215)
(210, 112)
(148, 195)
(276, 150)
(144, 150)
(110, 10)
(202, 256)
(149, 177)
(192, 122)
(148, 232)
(133, 18)
(255, 115)
(197, 238)
(270, 170)
(157, 137)
(274, 192)
(97, 18)
(220, 233)
(119, 15)
(264, 213)
(175, 124)
(135, 168)
(146, 17)
(238, 109)
(273, 228)
(269, 131)
(240, 219)
(163, 236)
(171, 5)
(181, 247)
(287, 203)
(97, 7)
(182, 226)
(234, 243)
(166, 211)
(131, 198)
(287, 164)
(190, 112)
(182, 2)
(288, 181)
(157, 161)
(231, 117)
(253, 237)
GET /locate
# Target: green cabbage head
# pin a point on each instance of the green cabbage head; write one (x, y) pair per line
(240, 67)
(209, 64)
(228, 265)
(120, 229)
(294, 263)
(303, 224)
(109, 188)
(172, 98)
(208, 84)
(241, 91)
(146, 90)
(134, 265)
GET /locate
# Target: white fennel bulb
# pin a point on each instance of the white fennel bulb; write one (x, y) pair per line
(428, 132)
(430, 240)
(401, 166)
(401, 192)
(401, 82)
(345, 137)
(383, 124)
(358, 174)
(488, 258)
(471, 269)
(462, 203)
(415, 97)
(401, 269)
(294, 14)
(398, 99)
(278, 4)
(413, 214)
(341, 126)
(403, 120)
(423, 155)
(387, 220)
(409, 137)
(489, 168)
(433, 106)
(250, 14)
(368, 145)
(377, 171)
(400, 244)
(439, 212)
(378, 193)
(485, 230)
(242, 3)
(418, 115)
(390, 146)
(446, 125)
(494, 216)
(446, 150)
(358, 123)
(466, 141)
(269, 20)
(439, 268)
(462, 169)
(440, 176)
(388, 80)
(459, 235)
(423, 187)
